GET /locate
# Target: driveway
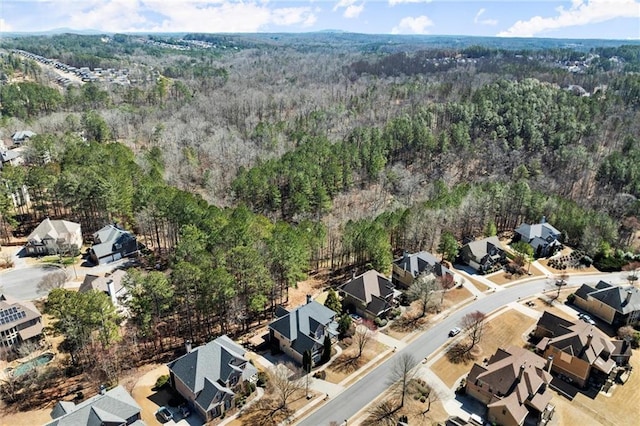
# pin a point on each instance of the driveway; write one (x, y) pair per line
(361, 393)
(22, 284)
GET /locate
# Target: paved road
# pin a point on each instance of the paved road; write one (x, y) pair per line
(22, 284)
(364, 391)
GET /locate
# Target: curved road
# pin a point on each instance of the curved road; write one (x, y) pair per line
(22, 284)
(364, 391)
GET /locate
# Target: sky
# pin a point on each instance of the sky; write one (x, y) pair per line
(602, 19)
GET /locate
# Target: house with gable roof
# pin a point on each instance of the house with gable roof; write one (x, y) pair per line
(112, 243)
(483, 254)
(302, 329)
(410, 266)
(579, 349)
(369, 295)
(22, 136)
(514, 385)
(614, 304)
(542, 237)
(19, 322)
(53, 237)
(111, 284)
(209, 376)
(114, 407)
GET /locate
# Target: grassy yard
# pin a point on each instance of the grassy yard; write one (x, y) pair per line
(455, 296)
(477, 284)
(620, 409)
(502, 278)
(503, 330)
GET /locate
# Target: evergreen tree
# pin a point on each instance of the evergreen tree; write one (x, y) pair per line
(326, 350)
(333, 302)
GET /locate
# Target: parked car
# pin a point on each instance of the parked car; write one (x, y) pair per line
(586, 318)
(164, 413)
(454, 331)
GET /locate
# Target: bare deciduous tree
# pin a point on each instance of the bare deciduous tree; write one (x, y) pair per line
(401, 375)
(285, 381)
(364, 333)
(383, 414)
(422, 291)
(473, 324)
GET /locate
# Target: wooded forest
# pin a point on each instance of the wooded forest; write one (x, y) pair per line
(246, 168)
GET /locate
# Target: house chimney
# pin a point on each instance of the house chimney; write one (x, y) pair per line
(522, 367)
(111, 289)
(187, 345)
(628, 298)
(549, 364)
(309, 298)
(103, 389)
(589, 338)
(543, 219)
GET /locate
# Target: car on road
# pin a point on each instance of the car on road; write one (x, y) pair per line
(454, 331)
(164, 413)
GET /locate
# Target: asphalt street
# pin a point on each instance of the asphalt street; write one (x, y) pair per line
(364, 391)
(22, 284)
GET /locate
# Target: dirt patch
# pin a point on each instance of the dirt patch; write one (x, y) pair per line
(501, 331)
(346, 364)
(298, 294)
(455, 296)
(9, 416)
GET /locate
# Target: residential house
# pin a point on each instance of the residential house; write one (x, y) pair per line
(19, 322)
(12, 157)
(111, 284)
(410, 266)
(614, 304)
(54, 237)
(579, 349)
(22, 136)
(369, 295)
(513, 384)
(303, 329)
(112, 243)
(114, 407)
(543, 237)
(482, 255)
(209, 375)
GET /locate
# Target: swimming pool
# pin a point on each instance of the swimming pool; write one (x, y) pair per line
(25, 367)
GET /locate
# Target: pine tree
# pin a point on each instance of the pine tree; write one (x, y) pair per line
(333, 302)
(326, 350)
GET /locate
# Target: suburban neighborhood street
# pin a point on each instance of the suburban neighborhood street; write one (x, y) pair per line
(356, 397)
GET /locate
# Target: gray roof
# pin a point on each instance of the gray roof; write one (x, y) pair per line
(6, 156)
(420, 262)
(54, 230)
(106, 238)
(115, 406)
(541, 230)
(93, 282)
(480, 248)
(624, 299)
(299, 321)
(22, 135)
(213, 362)
(14, 312)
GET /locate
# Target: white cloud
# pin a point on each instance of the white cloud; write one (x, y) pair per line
(394, 2)
(353, 11)
(581, 12)
(477, 19)
(179, 15)
(4, 26)
(411, 25)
